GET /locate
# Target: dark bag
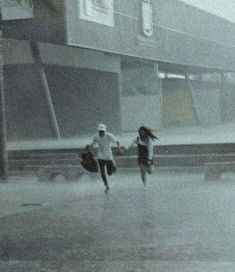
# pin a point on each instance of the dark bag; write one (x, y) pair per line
(88, 161)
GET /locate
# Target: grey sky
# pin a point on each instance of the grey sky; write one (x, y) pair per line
(222, 8)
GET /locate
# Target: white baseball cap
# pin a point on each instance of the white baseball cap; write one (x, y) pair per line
(101, 127)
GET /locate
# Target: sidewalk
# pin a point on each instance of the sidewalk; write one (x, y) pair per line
(185, 135)
(17, 192)
(23, 194)
(177, 223)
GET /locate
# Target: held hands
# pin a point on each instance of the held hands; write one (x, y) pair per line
(120, 150)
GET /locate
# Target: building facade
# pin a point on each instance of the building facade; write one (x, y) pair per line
(76, 63)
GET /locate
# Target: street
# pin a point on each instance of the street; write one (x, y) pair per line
(178, 222)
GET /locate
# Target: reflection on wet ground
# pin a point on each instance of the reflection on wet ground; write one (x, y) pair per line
(178, 222)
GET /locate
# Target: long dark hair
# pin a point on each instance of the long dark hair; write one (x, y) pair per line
(148, 132)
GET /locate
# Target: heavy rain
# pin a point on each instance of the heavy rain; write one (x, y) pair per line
(117, 128)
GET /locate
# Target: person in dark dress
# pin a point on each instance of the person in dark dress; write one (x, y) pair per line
(145, 143)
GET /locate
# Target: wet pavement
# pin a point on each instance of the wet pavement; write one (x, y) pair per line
(178, 222)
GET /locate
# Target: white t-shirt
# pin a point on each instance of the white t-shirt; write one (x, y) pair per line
(104, 148)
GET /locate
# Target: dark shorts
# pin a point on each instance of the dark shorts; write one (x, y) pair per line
(144, 161)
(110, 166)
(143, 155)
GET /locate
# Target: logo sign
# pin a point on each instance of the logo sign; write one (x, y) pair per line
(92, 7)
(147, 19)
(98, 11)
(101, 5)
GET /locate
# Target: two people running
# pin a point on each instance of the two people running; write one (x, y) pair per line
(104, 139)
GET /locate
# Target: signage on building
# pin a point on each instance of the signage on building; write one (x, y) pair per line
(97, 11)
(17, 9)
(147, 18)
(101, 5)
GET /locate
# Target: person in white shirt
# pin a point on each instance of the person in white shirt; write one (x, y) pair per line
(145, 143)
(105, 156)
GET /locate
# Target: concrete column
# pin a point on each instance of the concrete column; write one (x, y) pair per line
(3, 149)
(119, 86)
(51, 112)
(223, 106)
(190, 88)
(159, 86)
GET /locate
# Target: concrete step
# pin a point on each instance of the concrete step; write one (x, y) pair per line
(165, 156)
(24, 163)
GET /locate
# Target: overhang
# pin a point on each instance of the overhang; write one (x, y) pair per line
(16, 52)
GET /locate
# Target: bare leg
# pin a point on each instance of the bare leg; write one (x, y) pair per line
(143, 173)
(150, 169)
(103, 174)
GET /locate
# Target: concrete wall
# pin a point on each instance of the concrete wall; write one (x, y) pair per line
(228, 99)
(207, 103)
(75, 57)
(140, 110)
(26, 113)
(81, 98)
(140, 97)
(181, 34)
(16, 52)
(85, 91)
(47, 25)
